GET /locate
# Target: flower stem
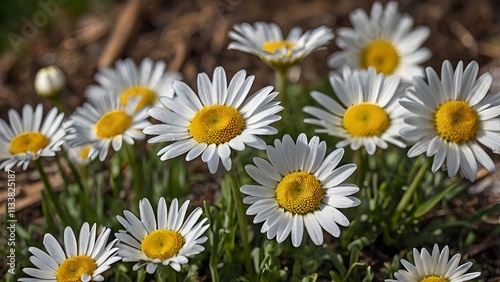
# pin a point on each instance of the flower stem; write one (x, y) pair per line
(137, 175)
(74, 171)
(282, 85)
(242, 219)
(361, 167)
(405, 200)
(165, 273)
(214, 241)
(51, 195)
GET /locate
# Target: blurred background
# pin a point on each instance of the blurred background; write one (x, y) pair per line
(191, 36)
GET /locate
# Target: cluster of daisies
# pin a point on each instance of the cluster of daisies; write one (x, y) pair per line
(382, 96)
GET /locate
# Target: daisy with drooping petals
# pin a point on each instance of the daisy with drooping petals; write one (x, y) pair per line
(82, 260)
(149, 81)
(28, 138)
(300, 188)
(221, 119)
(105, 124)
(167, 239)
(370, 115)
(385, 40)
(266, 41)
(434, 267)
(451, 117)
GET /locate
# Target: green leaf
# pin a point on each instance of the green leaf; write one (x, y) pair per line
(430, 203)
(310, 278)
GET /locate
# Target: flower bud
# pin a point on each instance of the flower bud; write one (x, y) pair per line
(49, 81)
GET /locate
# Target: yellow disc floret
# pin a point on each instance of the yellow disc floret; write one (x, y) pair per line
(148, 97)
(216, 124)
(272, 46)
(365, 119)
(456, 121)
(84, 152)
(433, 278)
(162, 244)
(28, 142)
(112, 124)
(72, 269)
(299, 193)
(380, 54)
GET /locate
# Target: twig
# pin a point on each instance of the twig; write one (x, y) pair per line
(464, 36)
(121, 33)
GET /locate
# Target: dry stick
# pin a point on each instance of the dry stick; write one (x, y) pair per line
(121, 33)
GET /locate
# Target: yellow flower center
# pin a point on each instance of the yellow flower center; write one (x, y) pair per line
(148, 97)
(112, 123)
(380, 54)
(84, 152)
(433, 278)
(299, 193)
(456, 121)
(365, 119)
(272, 46)
(72, 269)
(162, 244)
(216, 124)
(28, 142)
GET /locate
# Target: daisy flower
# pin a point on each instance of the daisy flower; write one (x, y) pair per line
(452, 117)
(434, 267)
(167, 239)
(221, 119)
(149, 81)
(78, 155)
(108, 123)
(266, 41)
(82, 260)
(299, 187)
(30, 137)
(385, 40)
(369, 115)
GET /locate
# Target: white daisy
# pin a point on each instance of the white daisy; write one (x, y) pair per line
(220, 119)
(78, 155)
(27, 138)
(149, 81)
(384, 40)
(369, 115)
(106, 123)
(266, 41)
(434, 267)
(450, 118)
(299, 187)
(82, 260)
(167, 239)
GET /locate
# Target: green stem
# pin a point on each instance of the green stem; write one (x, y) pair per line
(213, 239)
(286, 113)
(51, 195)
(137, 175)
(282, 85)
(405, 200)
(74, 171)
(242, 218)
(296, 270)
(361, 167)
(165, 273)
(63, 173)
